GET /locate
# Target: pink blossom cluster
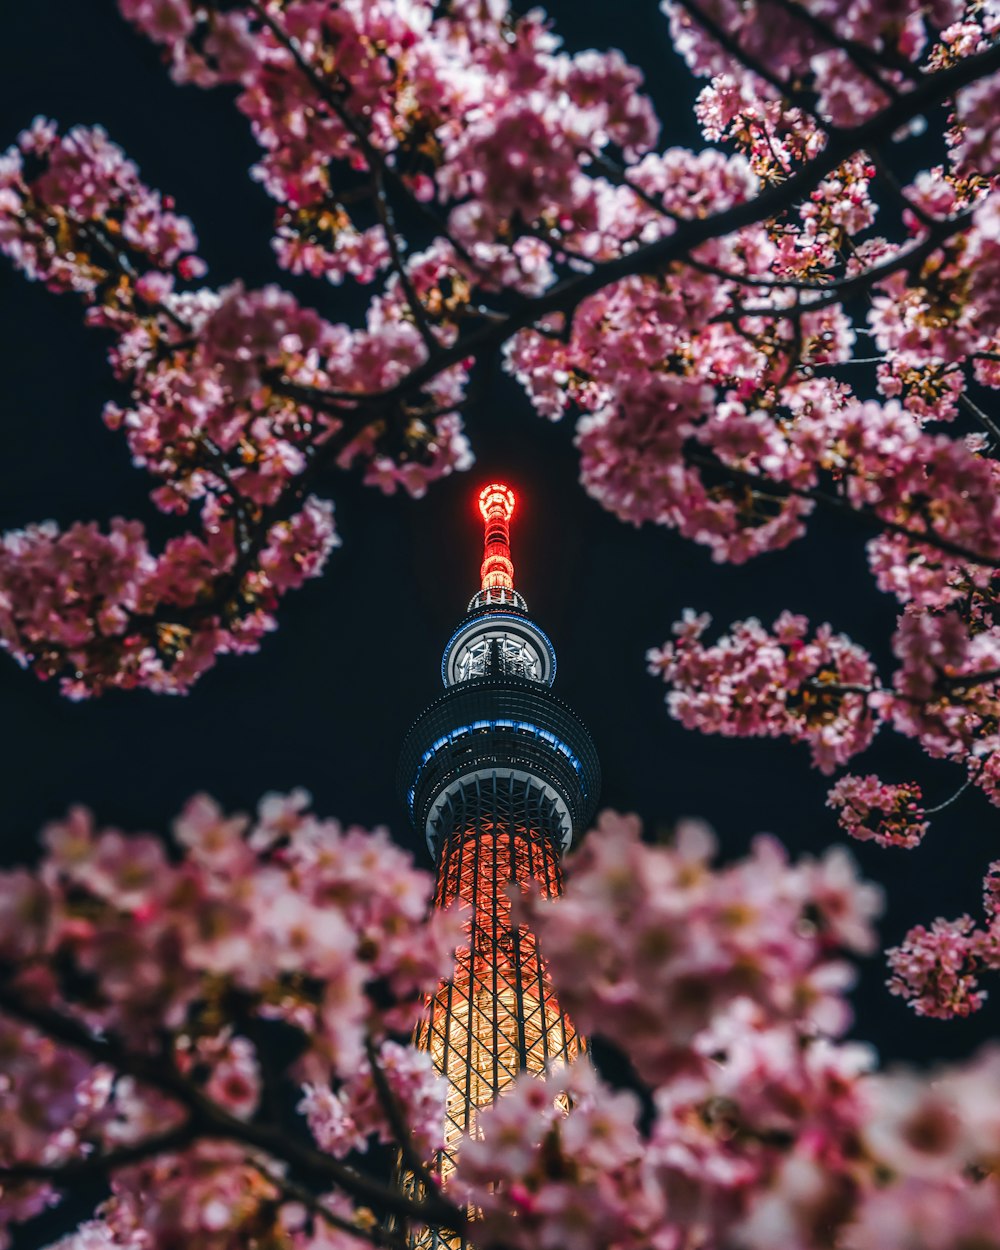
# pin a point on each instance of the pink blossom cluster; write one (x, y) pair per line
(538, 1176)
(774, 135)
(100, 610)
(775, 1140)
(186, 962)
(790, 47)
(73, 224)
(936, 968)
(214, 1196)
(723, 986)
(668, 941)
(479, 108)
(766, 1130)
(211, 373)
(343, 1120)
(218, 412)
(873, 810)
(712, 443)
(947, 685)
(780, 683)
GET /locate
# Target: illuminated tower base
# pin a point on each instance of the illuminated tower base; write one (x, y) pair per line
(500, 776)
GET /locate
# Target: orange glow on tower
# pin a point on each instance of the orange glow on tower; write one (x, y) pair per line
(496, 503)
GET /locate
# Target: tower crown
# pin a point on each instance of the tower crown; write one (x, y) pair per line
(497, 638)
(497, 724)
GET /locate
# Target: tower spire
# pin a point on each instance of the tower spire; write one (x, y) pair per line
(496, 503)
(496, 574)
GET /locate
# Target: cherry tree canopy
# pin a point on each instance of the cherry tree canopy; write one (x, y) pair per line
(744, 336)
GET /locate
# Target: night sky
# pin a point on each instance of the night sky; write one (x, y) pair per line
(328, 700)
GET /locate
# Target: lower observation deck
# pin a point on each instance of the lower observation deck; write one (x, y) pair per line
(506, 729)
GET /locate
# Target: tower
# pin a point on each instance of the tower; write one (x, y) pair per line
(499, 775)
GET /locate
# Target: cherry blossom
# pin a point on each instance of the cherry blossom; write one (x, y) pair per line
(890, 815)
(694, 381)
(725, 987)
(757, 683)
(667, 941)
(294, 919)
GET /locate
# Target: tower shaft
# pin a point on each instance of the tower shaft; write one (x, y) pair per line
(498, 1016)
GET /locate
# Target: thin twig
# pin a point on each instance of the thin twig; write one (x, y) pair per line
(970, 780)
(982, 417)
(864, 516)
(892, 182)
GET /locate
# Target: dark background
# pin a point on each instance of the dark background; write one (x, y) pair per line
(329, 698)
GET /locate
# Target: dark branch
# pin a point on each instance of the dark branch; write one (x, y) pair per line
(866, 517)
(401, 1130)
(96, 1165)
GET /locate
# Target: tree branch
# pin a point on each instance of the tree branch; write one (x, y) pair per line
(771, 202)
(860, 55)
(982, 417)
(965, 681)
(731, 46)
(299, 1193)
(384, 211)
(96, 1165)
(211, 1120)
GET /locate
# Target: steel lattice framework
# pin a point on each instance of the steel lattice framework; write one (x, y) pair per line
(499, 775)
(499, 1016)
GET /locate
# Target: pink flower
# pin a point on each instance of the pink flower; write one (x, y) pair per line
(890, 815)
(752, 683)
(935, 969)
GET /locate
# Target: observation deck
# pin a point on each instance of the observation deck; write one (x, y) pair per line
(505, 728)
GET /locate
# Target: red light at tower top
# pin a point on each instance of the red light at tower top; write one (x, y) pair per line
(496, 503)
(496, 497)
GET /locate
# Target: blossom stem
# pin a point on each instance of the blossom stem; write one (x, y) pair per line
(393, 1113)
(970, 780)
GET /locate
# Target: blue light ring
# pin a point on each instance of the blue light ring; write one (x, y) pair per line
(460, 731)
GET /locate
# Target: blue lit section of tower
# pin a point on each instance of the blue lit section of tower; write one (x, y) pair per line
(500, 776)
